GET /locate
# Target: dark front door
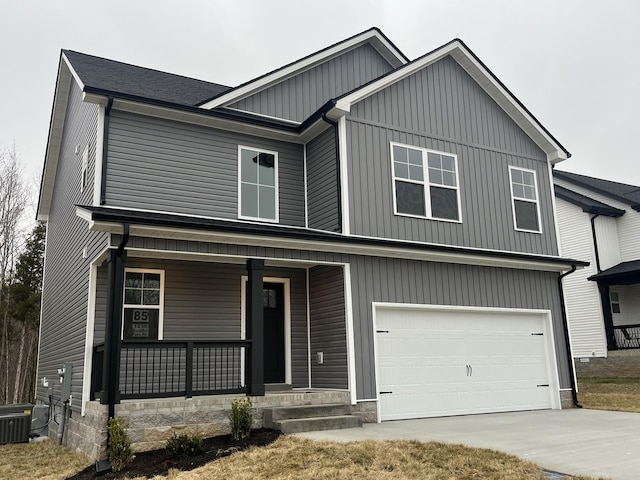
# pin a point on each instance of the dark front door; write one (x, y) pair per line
(274, 359)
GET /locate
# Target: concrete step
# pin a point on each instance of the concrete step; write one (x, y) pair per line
(304, 411)
(313, 424)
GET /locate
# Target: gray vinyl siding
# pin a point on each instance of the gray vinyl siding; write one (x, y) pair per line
(202, 301)
(66, 279)
(162, 165)
(322, 182)
(298, 97)
(442, 108)
(328, 327)
(377, 279)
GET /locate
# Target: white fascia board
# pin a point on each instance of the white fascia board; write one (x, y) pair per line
(482, 76)
(56, 128)
(373, 36)
(333, 246)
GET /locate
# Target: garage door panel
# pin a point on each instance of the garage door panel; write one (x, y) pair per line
(455, 362)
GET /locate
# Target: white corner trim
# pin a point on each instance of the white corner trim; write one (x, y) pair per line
(308, 328)
(554, 209)
(344, 175)
(97, 173)
(306, 188)
(351, 349)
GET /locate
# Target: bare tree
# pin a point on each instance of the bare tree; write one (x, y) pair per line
(13, 200)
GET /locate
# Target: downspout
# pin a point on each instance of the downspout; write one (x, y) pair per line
(338, 178)
(595, 240)
(565, 324)
(105, 148)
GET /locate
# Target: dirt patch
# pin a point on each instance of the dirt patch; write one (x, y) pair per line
(158, 462)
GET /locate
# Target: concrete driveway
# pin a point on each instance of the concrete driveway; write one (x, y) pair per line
(573, 441)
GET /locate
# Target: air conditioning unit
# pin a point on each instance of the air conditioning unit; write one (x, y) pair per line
(15, 427)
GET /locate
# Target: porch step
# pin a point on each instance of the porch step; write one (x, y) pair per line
(309, 418)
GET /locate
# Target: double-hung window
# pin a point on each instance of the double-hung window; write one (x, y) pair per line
(524, 198)
(257, 184)
(143, 304)
(425, 183)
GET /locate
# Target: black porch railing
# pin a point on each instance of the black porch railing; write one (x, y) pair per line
(627, 336)
(162, 368)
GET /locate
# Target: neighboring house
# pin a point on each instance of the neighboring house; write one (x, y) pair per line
(599, 222)
(353, 227)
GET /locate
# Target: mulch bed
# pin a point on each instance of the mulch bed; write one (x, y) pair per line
(158, 462)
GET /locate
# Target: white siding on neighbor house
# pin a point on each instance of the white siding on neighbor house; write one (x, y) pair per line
(629, 296)
(582, 299)
(608, 245)
(628, 225)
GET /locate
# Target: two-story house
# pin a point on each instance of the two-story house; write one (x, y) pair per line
(354, 227)
(599, 223)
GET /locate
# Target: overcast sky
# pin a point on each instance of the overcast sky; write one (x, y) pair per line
(574, 64)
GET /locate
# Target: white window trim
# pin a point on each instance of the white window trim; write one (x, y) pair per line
(277, 199)
(160, 307)
(513, 199)
(84, 171)
(426, 183)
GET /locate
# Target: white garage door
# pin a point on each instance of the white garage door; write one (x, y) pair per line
(436, 362)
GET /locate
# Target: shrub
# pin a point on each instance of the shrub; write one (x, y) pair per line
(119, 444)
(179, 446)
(241, 418)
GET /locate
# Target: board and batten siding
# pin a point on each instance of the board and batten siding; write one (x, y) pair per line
(202, 301)
(628, 225)
(162, 165)
(322, 182)
(65, 286)
(296, 98)
(442, 108)
(377, 279)
(328, 327)
(581, 296)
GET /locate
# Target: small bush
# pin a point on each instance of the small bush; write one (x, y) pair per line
(119, 444)
(241, 418)
(179, 446)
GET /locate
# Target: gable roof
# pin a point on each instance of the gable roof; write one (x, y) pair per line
(623, 192)
(373, 36)
(468, 60)
(96, 73)
(588, 205)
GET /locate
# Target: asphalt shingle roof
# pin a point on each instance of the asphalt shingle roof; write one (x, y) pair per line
(111, 76)
(629, 194)
(587, 204)
(622, 274)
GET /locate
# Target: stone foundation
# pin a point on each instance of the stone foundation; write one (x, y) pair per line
(566, 399)
(152, 422)
(367, 410)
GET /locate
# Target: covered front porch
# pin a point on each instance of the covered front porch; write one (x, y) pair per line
(169, 322)
(619, 288)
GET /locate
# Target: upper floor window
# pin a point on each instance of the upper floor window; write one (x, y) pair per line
(425, 183)
(84, 175)
(524, 198)
(143, 304)
(257, 184)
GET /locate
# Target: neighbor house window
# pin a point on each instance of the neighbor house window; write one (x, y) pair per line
(258, 184)
(615, 302)
(524, 198)
(143, 304)
(84, 176)
(425, 183)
